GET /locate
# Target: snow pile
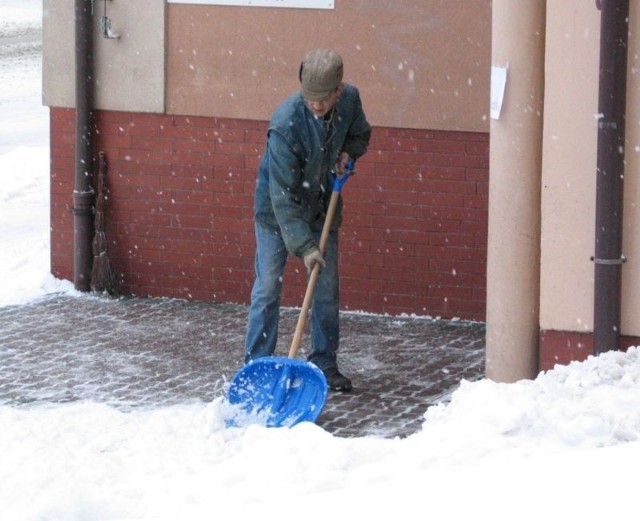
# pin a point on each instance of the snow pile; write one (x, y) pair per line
(583, 405)
(20, 18)
(24, 158)
(90, 461)
(24, 221)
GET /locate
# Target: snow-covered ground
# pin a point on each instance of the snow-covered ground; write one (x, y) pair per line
(24, 156)
(564, 446)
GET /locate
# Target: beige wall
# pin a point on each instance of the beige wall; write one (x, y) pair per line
(631, 269)
(58, 55)
(130, 70)
(419, 63)
(569, 169)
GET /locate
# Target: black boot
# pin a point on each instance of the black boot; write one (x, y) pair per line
(336, 380)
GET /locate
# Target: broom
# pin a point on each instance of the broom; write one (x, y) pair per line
(103, 276)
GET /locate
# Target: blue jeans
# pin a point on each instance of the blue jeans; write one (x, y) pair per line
(264, 312)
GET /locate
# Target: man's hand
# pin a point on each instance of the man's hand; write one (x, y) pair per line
(311, 258)
(341, 164)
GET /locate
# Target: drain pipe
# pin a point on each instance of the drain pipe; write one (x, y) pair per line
(608, 259)
(83, 193)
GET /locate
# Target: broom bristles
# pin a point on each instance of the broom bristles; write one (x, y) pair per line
(103, 276)
(99, 245)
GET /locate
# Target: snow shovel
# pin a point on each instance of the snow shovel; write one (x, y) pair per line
(277, 391)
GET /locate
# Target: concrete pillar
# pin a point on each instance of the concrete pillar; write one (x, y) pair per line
(513, 256)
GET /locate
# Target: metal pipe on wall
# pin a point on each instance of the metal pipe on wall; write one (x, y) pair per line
(608, 258)
(83, 193)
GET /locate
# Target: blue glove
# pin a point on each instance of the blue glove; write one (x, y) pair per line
(339, 181)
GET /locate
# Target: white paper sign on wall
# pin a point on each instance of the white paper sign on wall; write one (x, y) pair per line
(498, 83)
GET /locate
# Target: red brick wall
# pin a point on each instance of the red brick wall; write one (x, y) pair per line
(179, 213)
(564, 347)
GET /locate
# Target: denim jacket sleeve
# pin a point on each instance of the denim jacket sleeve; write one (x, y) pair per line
(285, 191)
(359, 133)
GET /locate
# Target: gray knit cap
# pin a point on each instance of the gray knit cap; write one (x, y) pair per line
(320, 73)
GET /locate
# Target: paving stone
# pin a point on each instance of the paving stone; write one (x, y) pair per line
(149, 352)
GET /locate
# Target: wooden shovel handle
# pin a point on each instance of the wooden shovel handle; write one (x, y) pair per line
(313, 278)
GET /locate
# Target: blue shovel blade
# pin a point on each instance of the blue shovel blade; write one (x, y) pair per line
(276, 392)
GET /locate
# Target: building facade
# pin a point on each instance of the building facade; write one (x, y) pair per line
(183, 96)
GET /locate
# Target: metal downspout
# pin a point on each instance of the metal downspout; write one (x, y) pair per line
(83, 193)
(608, 259)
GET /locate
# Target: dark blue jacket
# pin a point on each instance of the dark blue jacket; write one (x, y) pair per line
(294, 185)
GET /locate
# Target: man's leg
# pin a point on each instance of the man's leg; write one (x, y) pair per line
(325, 319)
(264, 312)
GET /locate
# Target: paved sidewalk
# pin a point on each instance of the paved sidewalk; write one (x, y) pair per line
(137, 352)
